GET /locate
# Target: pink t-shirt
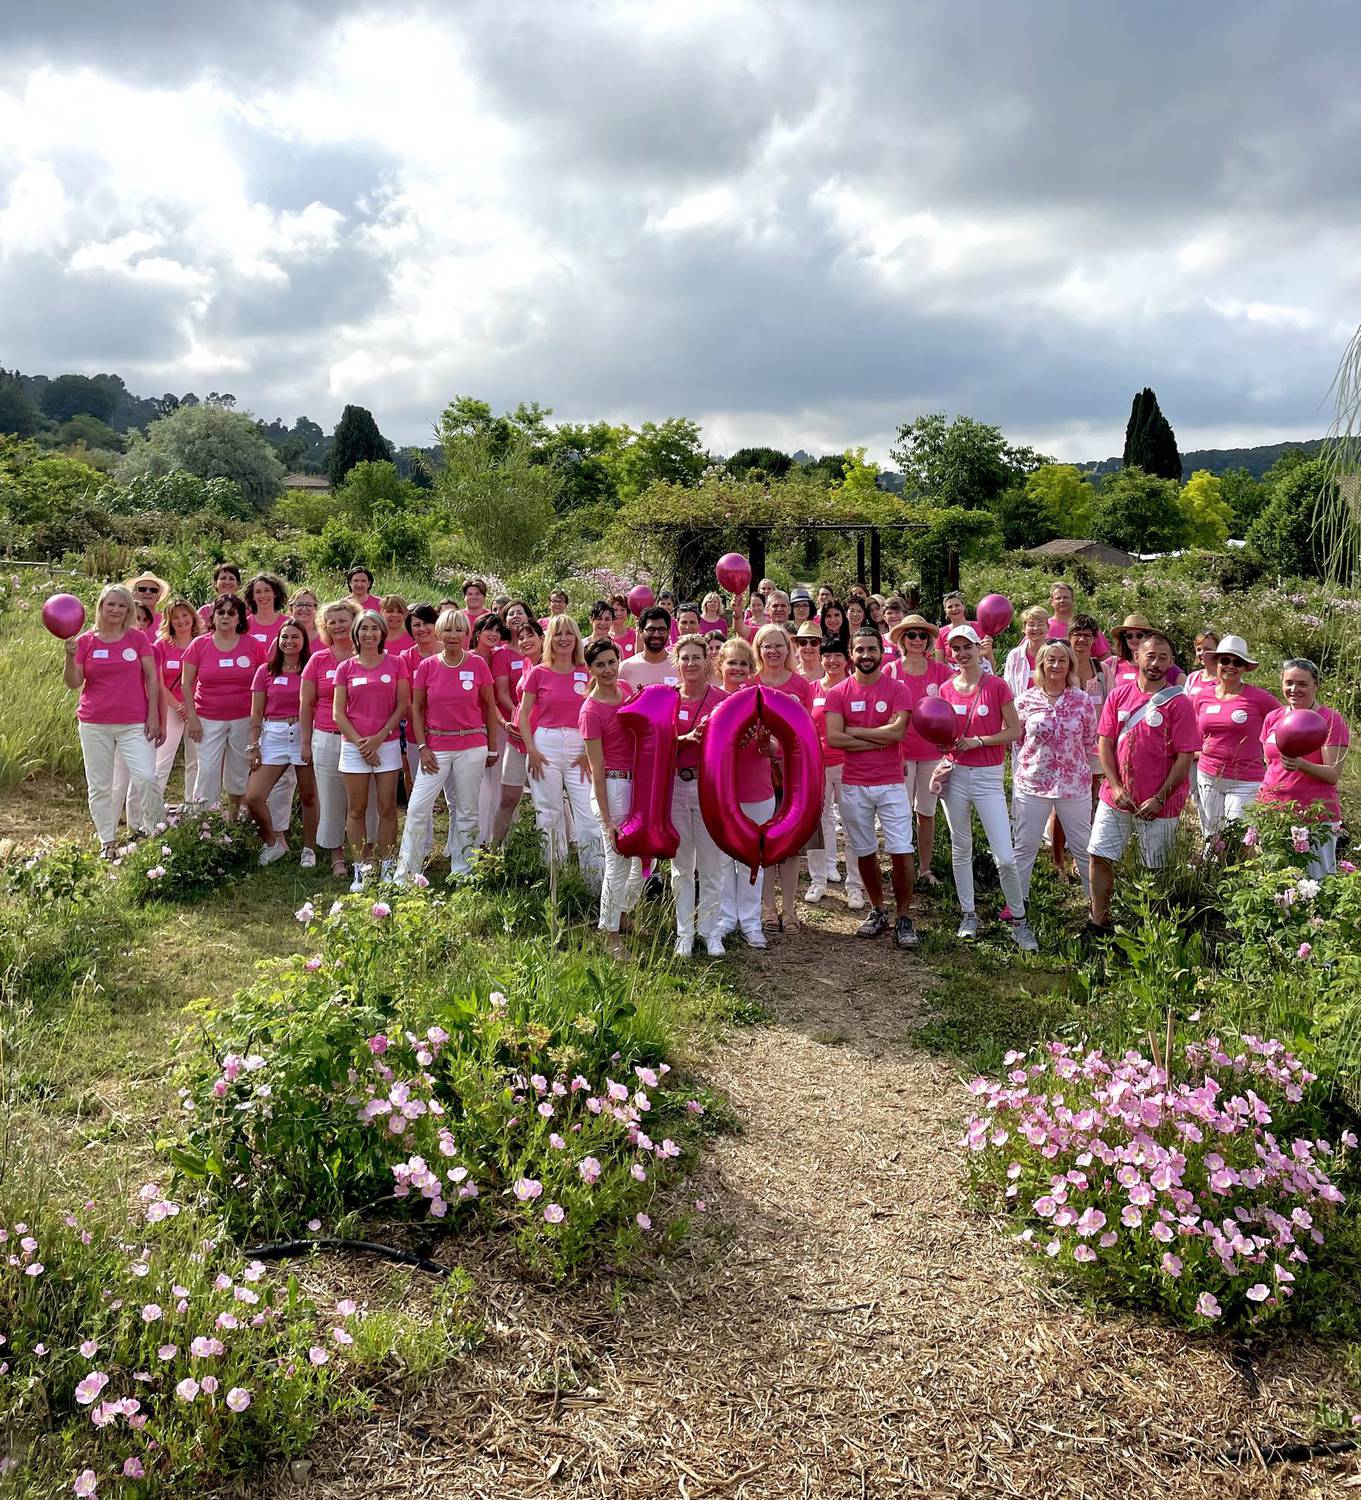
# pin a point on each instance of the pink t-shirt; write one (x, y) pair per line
(1281, 785)
(222, 687)
(1148, 750)
(205, 611)
(600, 721)
(639, 673)
(690, 713)
(870, 706)
(170, 660)
(557, 696)
(320, 671)
(754, 783)
(453, 701)
(413, 656)
(1126, 671)
(1231, 732)
(943, 637)
(371, 601)
(1053, 758)
(830, 757)
(265, 634)
(627, 641)
(927, 685)
(114, 689)
(512, 664)
(979, 712)
(399, 644)
(371, 693)
(1058, 631)
(707, 627)
(795, 686)
(281, 690)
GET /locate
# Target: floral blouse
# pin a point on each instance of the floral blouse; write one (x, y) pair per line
(1053, 756)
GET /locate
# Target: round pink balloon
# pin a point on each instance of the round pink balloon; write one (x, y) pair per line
(994, 614)
(641, 597)
(1301, 732)
(646, 831)
(64, 616)
(733, 573)
(937, 722)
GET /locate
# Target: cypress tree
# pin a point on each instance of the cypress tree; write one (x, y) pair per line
(1150, 443)
(357, 440)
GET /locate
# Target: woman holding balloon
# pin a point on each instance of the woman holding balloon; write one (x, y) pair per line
(1305, 744)
(609, 751)
(776, 674)
(923, 677)
(119, 713)
(741, 897)
(1231, 719)
(697, 857)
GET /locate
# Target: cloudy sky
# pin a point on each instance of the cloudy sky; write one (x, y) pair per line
(800, 223)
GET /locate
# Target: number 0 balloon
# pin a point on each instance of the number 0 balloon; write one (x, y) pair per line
(647, 832)
(790, 723)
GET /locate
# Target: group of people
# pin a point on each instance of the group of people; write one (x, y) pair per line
(351, 705)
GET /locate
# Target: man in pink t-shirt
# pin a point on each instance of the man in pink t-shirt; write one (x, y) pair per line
(1146, 740)
(866, 717)
(653, 664)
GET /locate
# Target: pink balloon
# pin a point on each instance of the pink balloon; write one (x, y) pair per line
(937, 723)
(646, 831)
(790, 723)
(641, 597)
(994, 614)
(733, 573)
(64, 616)
(1301, 732)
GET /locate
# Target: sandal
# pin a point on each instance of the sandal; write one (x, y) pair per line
(771, 922)
(793, 925)
(340, 870)
(930, 880)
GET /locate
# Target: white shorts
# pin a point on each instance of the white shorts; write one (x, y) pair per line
(861, 805)
(1113, 829)
(514, 766)
(352, 763)
(917, 778)
(280, 743)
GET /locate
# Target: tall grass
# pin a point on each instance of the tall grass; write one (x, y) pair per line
(39, 732)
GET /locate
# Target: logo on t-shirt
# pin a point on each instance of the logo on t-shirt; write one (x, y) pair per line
(580, 688)
(933, 690)
(880, 706)
(241, 661)
(129, 654)
(982, 709)
(466, 684)
(385, 677)
(1154, 717)
(1239, 716)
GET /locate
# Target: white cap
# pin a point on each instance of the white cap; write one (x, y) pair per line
(1234, 645)
(965, 632)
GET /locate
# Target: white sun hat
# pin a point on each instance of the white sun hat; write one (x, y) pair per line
(1235, 645)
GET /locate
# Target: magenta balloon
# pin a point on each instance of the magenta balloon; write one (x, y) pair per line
(733, 573)
(646, 831)
(1301, 732)
(64, 616)
(641, 597)
(937, 723)
(791, 725)
(994, 614)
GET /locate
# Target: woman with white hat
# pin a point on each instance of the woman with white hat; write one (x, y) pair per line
(1230, 721)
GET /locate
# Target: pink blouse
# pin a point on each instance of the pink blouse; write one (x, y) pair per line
(1053, 756)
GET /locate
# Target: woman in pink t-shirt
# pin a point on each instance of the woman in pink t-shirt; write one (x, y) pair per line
(266, 599)
(957, 613)
(371, 698)
(1230, 717)
(394, 612)
(490, 638)
(559, 774)
(179, 625)
(1307, 781)
(216, 675)
(711, 619)
(321, 740)
(226, 583)
(970, 779)
(276, 744)
(119, 712)
(776, 674)
(740, 899)
(625, 637)
(822, 863)
(453, 725)
(508, 677)
(359, 583)
(303, 607)
(924, 677)
(609, 750)
(698, 858)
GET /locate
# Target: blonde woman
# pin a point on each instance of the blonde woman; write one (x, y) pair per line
(776, 674)
(114, 670)
(559, 772)
(1018, 672)
(698, 860)
(740, 899)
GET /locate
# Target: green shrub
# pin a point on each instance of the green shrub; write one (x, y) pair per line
(193, 854)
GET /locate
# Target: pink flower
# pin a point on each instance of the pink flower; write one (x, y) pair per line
(132, 1468)
(238, 1399)
(187, 1389)
(312, 965)
(553, 1213)
(643, 1221)
(1257, 1293)
(1207, 1306)
(345, 1307)
(589, 1168)
(209, 1386)
(89, 1349)
(167, 1351)
(318, 1355)
(527, 1188)
(1171, 1264)
(638, 1172)
(378, 1044)
(339, 1336)
(85, 1483)
(1304, 950)
(151, 1313)
(90, 1387)
(381, 909)
(1250, 838)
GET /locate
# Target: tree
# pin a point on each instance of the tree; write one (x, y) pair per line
(1245, 495)
(356, 441)
(372, 488)
(960, 463)
(1286, 534)
(1064, 498)
(770, 462)
(178, 493)
(19, 416)
(667, 452)
(857, 483)
(88, 430)
(958, 531)
(1139, 512)
(1206, 512)
(1024, 519)
(1150, 443)
(72, 395)
(211, 442)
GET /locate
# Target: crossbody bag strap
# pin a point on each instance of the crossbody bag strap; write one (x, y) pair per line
(1142, 712)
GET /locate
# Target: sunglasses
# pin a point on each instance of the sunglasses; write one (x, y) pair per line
(1231, 661)
(147, 588)
(810, 645)
(916, 635)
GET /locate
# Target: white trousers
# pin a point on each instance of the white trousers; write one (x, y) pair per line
(1029, 819)
(1220, 800)
(222, 764)
(165, 763)
(561, 788)
(459, 777)
(822, 862)
(331, 804)
(697, 857)
(623, 882)
(979, 789)
(740, 907)
(101, 745)
(489, 797)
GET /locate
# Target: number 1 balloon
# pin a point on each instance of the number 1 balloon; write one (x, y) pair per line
(646, 831)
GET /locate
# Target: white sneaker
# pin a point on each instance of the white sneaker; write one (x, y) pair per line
(1023, 937)
(715, 948)
(361, 874)
(307, 860)
(273, 853)
(815, 893)
(855, 897)
(755, 938)
(968, 926)
(387, 869)
(834, 877)
(685, 947)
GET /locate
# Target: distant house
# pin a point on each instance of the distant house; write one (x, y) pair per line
(1089, 551)
(307, 482)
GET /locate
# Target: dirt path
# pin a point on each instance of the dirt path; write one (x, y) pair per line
(840, 1325)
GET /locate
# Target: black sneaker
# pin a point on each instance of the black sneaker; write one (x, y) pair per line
(874, 925)
(653, 888)
(1095, 930)
(904, 933)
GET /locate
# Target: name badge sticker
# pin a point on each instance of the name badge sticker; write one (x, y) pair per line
(99, 654)
(226, 661)
(857, 708)
(172, 666)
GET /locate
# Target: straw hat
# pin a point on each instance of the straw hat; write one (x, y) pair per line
(1133, 622)
(911, 622)
(150, 577)
(809, 632)
(1233, 645)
